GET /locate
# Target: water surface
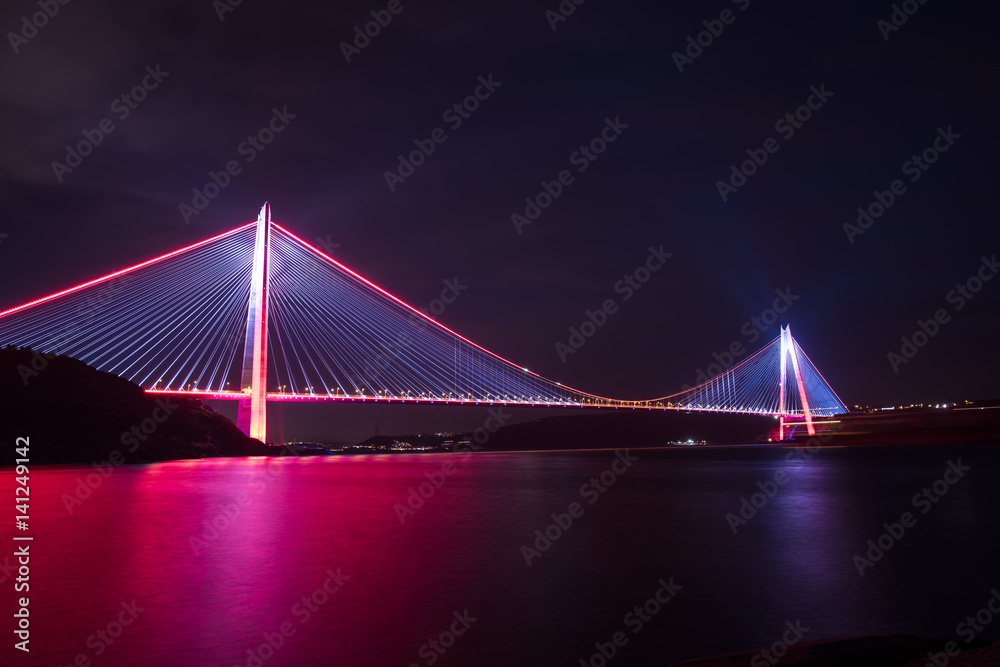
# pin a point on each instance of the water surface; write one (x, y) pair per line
(284, 528)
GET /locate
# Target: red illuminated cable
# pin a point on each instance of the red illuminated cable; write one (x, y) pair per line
(95, 281)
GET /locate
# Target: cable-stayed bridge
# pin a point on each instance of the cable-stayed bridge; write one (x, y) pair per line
(257, 314)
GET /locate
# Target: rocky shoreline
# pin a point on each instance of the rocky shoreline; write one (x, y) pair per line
(73, 413)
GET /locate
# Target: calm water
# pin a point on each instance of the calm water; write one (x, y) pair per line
(302, 523)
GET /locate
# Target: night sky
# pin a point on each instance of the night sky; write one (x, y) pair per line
(880, 103)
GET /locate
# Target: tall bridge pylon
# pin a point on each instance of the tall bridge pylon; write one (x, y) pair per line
(788, 351)
(252, 415)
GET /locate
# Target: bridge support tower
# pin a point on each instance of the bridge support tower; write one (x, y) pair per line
(788, 350)
(252, 416)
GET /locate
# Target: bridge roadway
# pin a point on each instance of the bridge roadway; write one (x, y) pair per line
(587, 403)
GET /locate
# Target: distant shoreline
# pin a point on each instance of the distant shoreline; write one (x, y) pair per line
(648, 448)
